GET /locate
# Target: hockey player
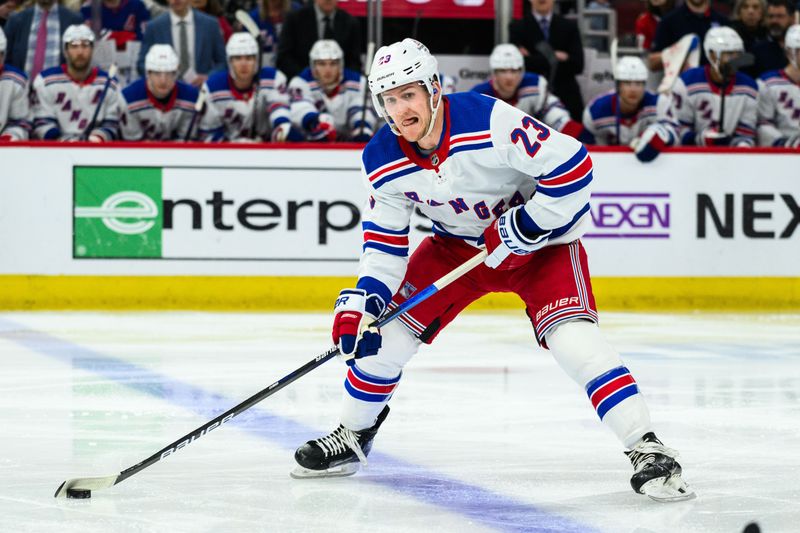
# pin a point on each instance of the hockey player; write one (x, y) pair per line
(65, 99)
(238, 110)
(328, 99)
(158, 107)
(472, 164)
(779, 98)
(620, 116)
(15, 124)
(527, 91)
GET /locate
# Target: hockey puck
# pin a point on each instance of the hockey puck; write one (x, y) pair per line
(79, 493)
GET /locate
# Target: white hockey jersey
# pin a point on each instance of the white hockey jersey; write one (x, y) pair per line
(345, 103)
(229, 113)
(534, 98)
(696, 103)
(778, 109)
(63, 108)
(492, 157)
(14, 110)
(609, 127)
(144, 118)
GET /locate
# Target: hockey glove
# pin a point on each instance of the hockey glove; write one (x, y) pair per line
(652, 142)
(320, 127)
(284, 132)
(353, 312)
(713, 137)
(793, 141)
(361, 135)
(508, 242)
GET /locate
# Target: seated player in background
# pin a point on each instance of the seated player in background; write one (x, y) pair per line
(779, 98)
(237, 110)
(527, 91)
(123, 19)
(65, 99)
(328, 99)
(620, 116)
(711, 105)
(15, 123)
(487, 175)
(158, 107)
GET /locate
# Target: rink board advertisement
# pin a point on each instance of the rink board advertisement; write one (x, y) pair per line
(295, 213)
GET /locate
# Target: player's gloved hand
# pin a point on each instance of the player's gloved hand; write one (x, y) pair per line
(94, 138)
(361, 135)
(793, 141)
(285, 132)
(353, 312)
(713, 137)
(652, 142)
(6, 138)
(321, 128)
(743, 142)
(508, 242)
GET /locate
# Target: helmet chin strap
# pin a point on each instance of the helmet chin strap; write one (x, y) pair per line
(434, 112)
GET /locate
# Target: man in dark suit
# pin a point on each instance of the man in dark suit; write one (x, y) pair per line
(33, 49)
(304, 27)
(552, 48)
(194, 36)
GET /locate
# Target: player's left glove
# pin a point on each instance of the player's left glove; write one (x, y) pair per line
(320, 127)
(508, 242)
(284, 132)
(353, 312)
(361, 135)
(652, 142)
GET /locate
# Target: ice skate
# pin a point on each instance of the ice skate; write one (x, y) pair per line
(337, 455)
(656, 472)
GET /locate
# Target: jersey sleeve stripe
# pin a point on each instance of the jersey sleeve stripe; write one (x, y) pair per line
(371, 226)
(399, 251)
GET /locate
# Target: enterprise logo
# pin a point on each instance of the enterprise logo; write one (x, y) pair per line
(629, 215)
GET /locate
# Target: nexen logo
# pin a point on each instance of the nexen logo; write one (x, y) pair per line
(630, 215)
(132, 212)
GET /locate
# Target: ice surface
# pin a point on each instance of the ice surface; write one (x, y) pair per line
(486, 433)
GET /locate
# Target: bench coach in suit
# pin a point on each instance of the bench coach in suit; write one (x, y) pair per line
(194, 36)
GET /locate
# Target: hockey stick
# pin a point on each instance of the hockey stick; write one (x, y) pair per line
(367, 68)
(250, 25)
(98, 483)
(112, 71)
(198, 108)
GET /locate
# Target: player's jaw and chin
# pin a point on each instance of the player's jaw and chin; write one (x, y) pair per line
(413, 117)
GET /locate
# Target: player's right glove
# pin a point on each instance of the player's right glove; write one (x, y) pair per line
(652, 142)
(713, 137)
(320, 127)
(284, 132)
(508, 242)
(353, 312)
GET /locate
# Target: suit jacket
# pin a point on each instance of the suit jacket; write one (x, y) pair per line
(300, 31)
(18, 31)
(564, 35)
(209, 49)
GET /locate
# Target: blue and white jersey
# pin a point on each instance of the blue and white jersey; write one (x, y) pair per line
(492, 157)
(696, 103)
(778, 108)
(145, 118)
(604, 120)
(534, 98)
(345, 103)
(14, 109)
(62, 108)
(229, 113)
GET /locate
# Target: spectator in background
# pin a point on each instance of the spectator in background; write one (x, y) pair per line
(270, 15)
(7, 7)
(769, 53)
(14, 123)
(245, 105)
(158, 107)
(64, 98)
(779, 98)
(552, 48)
(694, 16)
(34, 36)
(214, 9)
(328, 100)
(307, 25)
(748, 21)
(193, 35)
(527, 91)
(125, 19)
(647, 22)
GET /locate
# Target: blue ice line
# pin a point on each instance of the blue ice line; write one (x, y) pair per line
(489, 508)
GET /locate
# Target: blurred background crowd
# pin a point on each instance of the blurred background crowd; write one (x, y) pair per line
(285, 71)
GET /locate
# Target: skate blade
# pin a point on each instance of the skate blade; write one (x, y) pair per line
(337, 471)
(674, 489)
